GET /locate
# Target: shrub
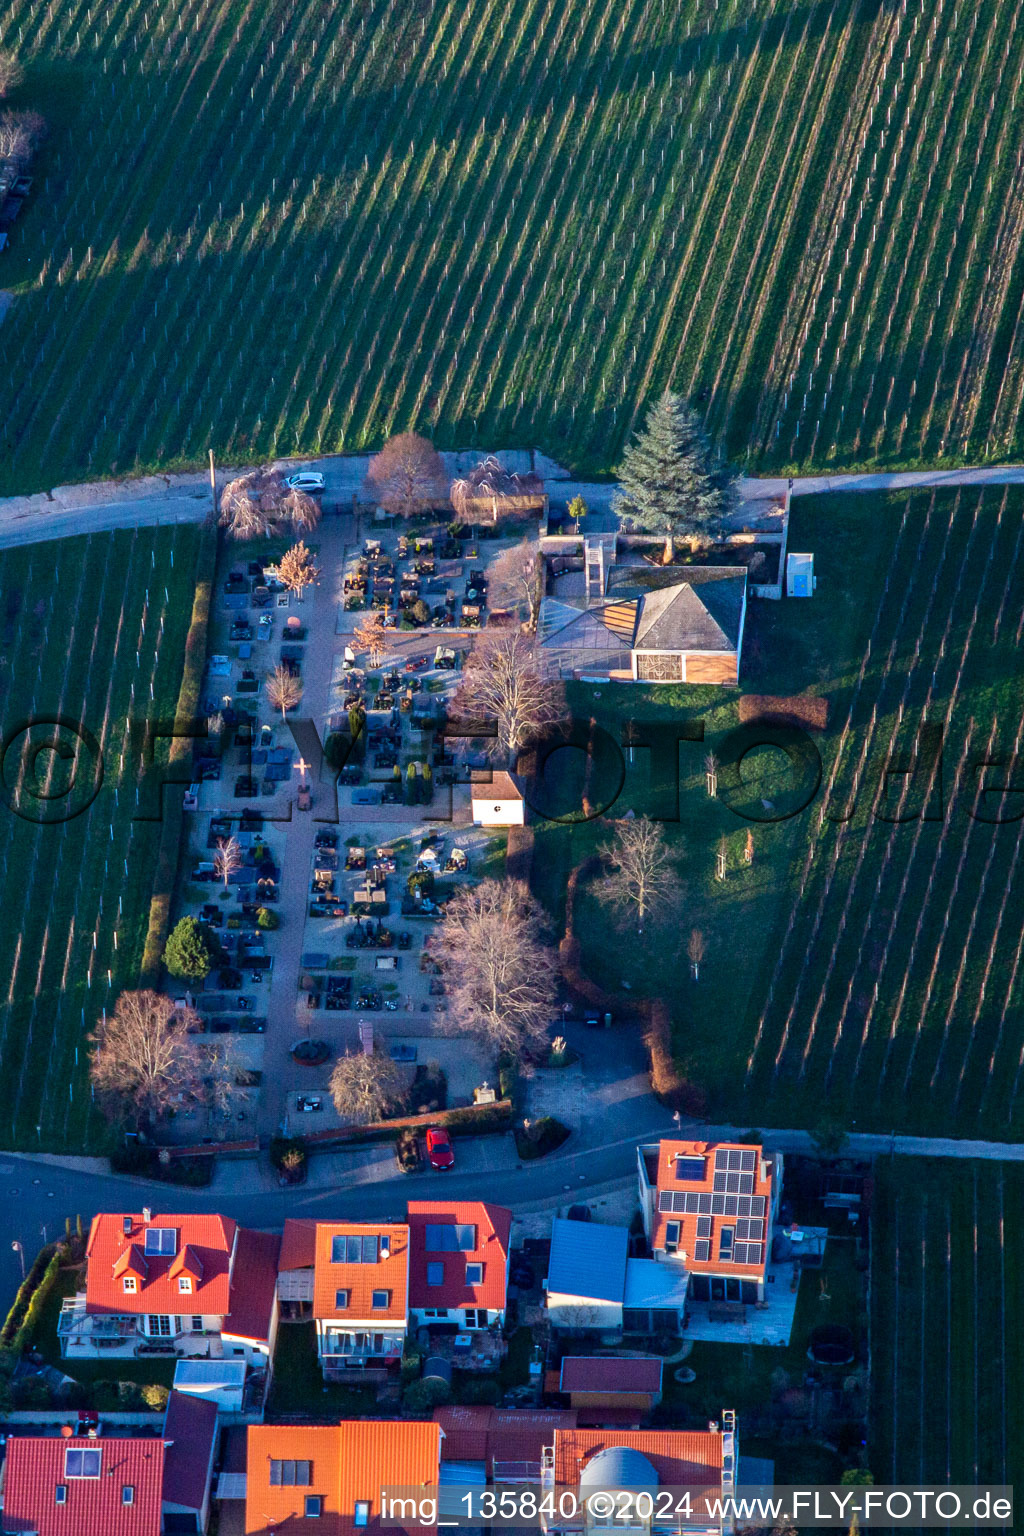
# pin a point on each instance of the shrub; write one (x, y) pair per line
(541, 1137)
(482, 1389)
(282, 1147)
(154, 1396)
(421, 1396)
(265, 918)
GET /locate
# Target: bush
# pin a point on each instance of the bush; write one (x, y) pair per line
(154, 1396)
(421, 1396)
(189, 953)
(541, 1137)
(482, 1389)
(267, 919)
(420, 611)
(282, 1147)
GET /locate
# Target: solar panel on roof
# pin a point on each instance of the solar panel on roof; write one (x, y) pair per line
(730, 1204)
(720, 1180)
(747, 1183)
(739, 1253)
(704, 1204)
(717, 1205)
(749, 1162)
(703, 1226)
(702, 1250)
(743, 1205)
(757, 1205)
(722, 1158)
(733, 1183)
(754, 1251)
(665, 1200)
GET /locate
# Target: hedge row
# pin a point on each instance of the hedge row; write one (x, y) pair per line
(801, 709)
(667, 1082)
(21, 1320)
(189, 696)
(473, 1120)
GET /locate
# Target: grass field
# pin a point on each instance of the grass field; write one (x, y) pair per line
(94, 634)
(947, 1347)
(277, 228)
(860, 968)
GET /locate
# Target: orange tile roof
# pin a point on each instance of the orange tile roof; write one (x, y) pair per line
(349, 1462)
(94, 1506)
(680, 1457)
(732, 1190)
(111, 1251)
(298, 1245)
(389, 1274)
(493, 1224)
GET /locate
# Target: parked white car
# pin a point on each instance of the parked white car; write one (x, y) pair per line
(308, 480)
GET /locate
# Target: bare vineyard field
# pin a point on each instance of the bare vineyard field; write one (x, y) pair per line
(947, 1349)
(95, 631)
(894, 998)
(277, 228)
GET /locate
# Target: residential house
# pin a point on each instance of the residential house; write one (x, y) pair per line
(497, 800)
(627, 621)
(586, 1277)
(708, 1210)
(611, 1389)
(497, 1445)
(77, 1486)
(174, 1285)
(190, 1446)
(595, 1288)
(74, 1485)
(327, 1479)
(591, 1460)
(459, 1257)
(360, 1296)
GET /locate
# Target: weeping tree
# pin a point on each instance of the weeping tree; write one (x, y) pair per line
(261, 504)
(670, 480)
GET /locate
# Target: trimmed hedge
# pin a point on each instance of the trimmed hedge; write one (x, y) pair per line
(185, 716)
(21, 1320)
(473, 1120)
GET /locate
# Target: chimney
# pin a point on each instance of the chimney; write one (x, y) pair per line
(147, 1215)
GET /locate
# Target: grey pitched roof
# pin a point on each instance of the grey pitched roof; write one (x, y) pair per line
(588, 1259)
(695, 614)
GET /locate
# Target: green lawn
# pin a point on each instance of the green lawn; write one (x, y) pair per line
(269, 229)
(90, 1372)
(765, 1385)
(298, 1386)
(914, 620)
(946, 1340)
(93, 633)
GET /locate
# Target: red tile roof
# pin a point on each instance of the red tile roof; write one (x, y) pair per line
(190, 1431)
(492, 1223)
(349, 1462)
(112, 1250)
(94, 1505)
(475, 1433)
(253, 1285)
(721, 1187)
(389, 1274)
(680, 1457)
(298, 1245)
(613, 1373)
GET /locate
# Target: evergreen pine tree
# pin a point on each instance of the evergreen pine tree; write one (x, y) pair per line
(669, 482)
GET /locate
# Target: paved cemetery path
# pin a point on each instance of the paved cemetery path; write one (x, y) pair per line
(159, 499)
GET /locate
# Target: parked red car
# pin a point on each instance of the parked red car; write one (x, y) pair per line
(440, 1154)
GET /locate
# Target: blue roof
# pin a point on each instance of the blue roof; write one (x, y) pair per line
(588, 1259)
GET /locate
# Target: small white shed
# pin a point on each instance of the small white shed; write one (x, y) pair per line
(497, 801)
(218, 1381)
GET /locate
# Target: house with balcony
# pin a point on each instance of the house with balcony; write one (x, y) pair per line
(174, 1285)
(360, 1297)
(295, 1268)
(709, 1209)
(458, 1271)
(481, 1444)
(329, 1478)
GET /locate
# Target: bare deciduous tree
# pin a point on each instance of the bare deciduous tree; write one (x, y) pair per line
(227, 858)
(711, 774)
(407, 475)
(261, 503)
(490, 492)
(11, 72)
(696, 949)
(504, 685)
(364, 1086)
(298, 569)
(20, 136)
(371, 635)
(144, 1054)
(516, 578)
(220, 1064)
(642, 882)
(284, 690)
(500, 973)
